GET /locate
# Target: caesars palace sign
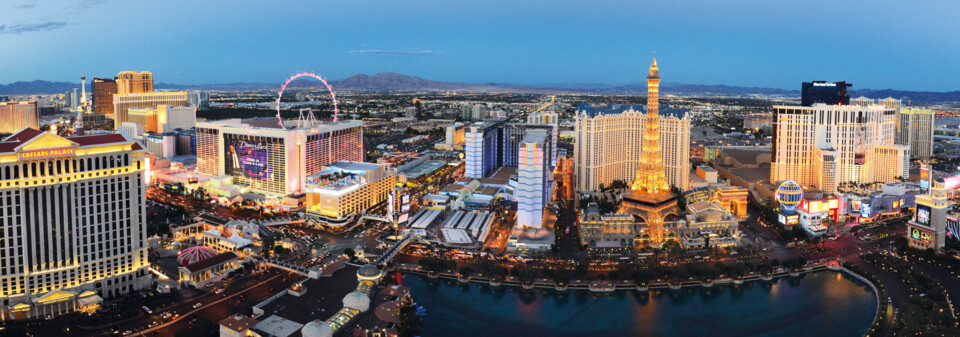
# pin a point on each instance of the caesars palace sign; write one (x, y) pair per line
(47, 153)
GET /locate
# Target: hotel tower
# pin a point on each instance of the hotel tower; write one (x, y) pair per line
(72, 225)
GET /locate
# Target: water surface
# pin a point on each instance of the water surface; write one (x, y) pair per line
(819, 304)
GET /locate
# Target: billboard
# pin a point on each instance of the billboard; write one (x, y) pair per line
(920, 235)
(923, 215)
(924, 176)
(246, 158)
(865, 210)
(788, 220)
(860, 146)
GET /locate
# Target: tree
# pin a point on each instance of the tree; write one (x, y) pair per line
(527, 275)
(267, 246)
(561, 276)
(681, 197)
(410, 321)
(350, 253)
(465, 271)
(671, 246)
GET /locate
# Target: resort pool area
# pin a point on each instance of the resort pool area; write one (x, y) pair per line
(823, 303)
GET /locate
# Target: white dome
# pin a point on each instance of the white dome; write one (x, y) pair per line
(317, 329)
(357, 300)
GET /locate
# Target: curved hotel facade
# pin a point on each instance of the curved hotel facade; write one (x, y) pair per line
(72, 224)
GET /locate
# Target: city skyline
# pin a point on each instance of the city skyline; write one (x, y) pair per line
(564, 43)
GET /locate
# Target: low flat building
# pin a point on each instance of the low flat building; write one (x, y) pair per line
(606, 230)
(707, 225)
(345, 189)
(201, 273)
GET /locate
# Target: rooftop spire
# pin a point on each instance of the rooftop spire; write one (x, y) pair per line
(654, 71)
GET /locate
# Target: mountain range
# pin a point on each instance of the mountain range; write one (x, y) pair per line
(404, 83)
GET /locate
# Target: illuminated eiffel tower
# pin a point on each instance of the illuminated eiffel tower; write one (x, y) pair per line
(650, 197)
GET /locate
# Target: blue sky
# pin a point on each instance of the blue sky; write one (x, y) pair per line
(908, 45)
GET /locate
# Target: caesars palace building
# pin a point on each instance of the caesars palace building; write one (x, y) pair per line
(72, 224)
(268, 158)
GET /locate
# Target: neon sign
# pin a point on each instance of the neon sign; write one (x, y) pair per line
(47, 153)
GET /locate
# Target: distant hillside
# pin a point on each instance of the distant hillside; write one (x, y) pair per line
(700, 89)
(38, 87)
(912, 96)
(399, 82)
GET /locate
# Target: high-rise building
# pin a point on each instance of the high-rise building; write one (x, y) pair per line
(163, 118)
(474, 112)
(825, 145)
(199, 99)
(75, 97)
(73, 225)
(134, 82)
(122, 103)
(823, 92)
(260, 155)
(103, 91)
(916, 130)
(543, 118)
(15, 116)
(494, 144)
(609, 142)
(533, 176)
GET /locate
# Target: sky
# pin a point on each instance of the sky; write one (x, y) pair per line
(879, 44)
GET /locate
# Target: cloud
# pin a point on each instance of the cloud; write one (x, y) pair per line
(31, 27)
(394, 52)
(25, 5)
(84, 4)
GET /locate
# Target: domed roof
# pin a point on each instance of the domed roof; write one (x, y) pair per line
(317, 329)
(369, 271)
(194, 254)
(356, 300)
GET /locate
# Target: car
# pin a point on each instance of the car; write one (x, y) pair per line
(197, 305)
(128, 332)
(219, 291)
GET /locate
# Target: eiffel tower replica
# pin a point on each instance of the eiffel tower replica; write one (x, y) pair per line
(650, 197)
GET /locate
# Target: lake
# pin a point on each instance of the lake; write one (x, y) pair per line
(824, 303)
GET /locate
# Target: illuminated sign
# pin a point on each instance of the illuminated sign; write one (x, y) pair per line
(47, 153)
(855, 205)
(819, 206)
(782, 218)
(920, 235)
(865, 210)
(924, 176)
(952, 182)
(792, 220)
(896, 204)
(923, 215)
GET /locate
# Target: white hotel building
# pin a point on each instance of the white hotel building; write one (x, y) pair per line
(610, 139)
(533, 172)
(72, 224)
(825, 145)
(259, 155)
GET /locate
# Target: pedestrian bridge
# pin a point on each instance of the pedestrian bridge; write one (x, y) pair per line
(286, 266)
(397, 248)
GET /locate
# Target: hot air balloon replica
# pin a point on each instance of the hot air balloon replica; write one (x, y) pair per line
(789, 195)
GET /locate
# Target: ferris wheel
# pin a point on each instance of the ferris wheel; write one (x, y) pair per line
(336, 110)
